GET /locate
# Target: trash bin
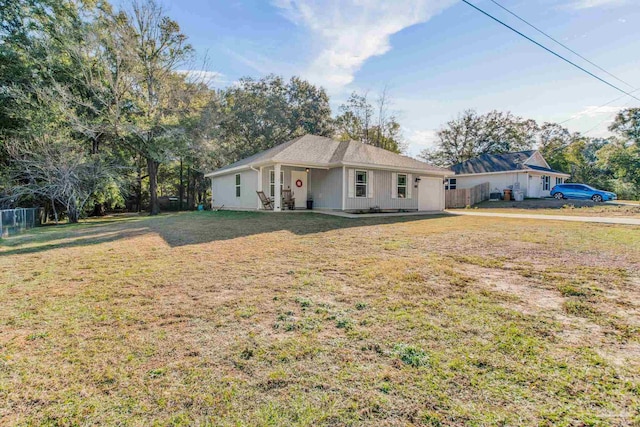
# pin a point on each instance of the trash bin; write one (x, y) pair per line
(507, 195)
(518, 196)
(309, 204)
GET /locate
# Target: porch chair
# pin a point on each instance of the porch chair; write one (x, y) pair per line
(267, 203)
(288, 201)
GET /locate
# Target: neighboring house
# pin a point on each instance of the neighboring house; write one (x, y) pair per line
(527, 170)
(347, 176)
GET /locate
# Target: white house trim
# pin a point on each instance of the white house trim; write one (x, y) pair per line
(364, 166)
(278, 193)
(539, 156)
(344, 187)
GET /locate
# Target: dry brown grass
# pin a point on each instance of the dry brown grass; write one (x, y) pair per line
(300, 319)
(563, 207)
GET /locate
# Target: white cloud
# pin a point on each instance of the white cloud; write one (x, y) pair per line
(210, 78)
(348, 32)
(588, 4)
(595, 111)
(419, 140)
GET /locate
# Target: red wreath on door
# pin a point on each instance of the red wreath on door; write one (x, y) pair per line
(299, 183)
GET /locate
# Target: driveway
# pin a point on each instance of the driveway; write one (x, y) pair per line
(600, 219)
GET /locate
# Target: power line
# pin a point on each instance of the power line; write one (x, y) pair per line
(561, 44)
(551, 51)
(594, 109)
(602, 121)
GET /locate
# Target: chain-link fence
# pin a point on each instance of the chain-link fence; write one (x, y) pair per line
(13, 221)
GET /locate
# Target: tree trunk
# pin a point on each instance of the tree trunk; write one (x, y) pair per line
(139, 190)
(189, 189)
(99, 209)
(152, 168)
(55, 212)
(181, 189)
(73, 214)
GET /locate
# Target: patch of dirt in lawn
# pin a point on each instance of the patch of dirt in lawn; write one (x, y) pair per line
(528, 297)
(531, 299)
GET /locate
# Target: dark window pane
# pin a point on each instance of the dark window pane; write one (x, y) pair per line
(361, 190)
(402, 192)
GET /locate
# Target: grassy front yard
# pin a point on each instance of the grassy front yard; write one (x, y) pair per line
(563, 207)
(253, 319)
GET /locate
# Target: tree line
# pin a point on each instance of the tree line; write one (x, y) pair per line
(103, 107)
(611, 163)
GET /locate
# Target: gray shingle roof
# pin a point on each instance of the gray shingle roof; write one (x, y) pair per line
(493, 163)
(499, 163)
(321, 151)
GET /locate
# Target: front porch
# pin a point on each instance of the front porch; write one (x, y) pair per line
(304, 182)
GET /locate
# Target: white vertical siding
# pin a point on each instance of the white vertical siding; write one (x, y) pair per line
(383, 183)
(224, 190)
(325, 187)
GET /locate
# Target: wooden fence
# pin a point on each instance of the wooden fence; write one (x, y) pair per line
(464, 197)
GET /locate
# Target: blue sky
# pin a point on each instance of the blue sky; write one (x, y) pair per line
(436, 57)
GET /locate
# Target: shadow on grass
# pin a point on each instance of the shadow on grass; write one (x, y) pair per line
(187, 228)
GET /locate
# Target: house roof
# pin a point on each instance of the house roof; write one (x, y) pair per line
(505, 162)
(320, 151)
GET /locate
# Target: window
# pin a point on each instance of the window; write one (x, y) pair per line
(272, 182)
(361, 183)
(402, 186)
(238, 185)
(559, 181)
(451, 184)
(546, 181)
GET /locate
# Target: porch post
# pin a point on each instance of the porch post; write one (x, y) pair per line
(278, 194)
(259, 186)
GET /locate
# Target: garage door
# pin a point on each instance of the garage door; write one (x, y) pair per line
(430, 194)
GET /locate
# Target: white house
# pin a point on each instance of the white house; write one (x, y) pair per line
(336, 175)
(527, 170)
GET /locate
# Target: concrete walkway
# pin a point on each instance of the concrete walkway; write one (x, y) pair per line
(599, 219)
(376, 215)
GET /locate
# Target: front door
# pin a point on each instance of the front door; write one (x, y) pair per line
(430, 194)
(299, 188)
(535, 186)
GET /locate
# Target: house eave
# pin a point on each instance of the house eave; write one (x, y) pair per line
(329, 166)
(398, 168)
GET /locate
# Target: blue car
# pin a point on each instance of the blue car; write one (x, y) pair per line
(581, 191)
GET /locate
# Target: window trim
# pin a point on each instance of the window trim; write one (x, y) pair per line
(559, 180)
(365, 184)
(238, 185)
(451, 186)
(546, 183)
(399, 186)
(272, 182)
